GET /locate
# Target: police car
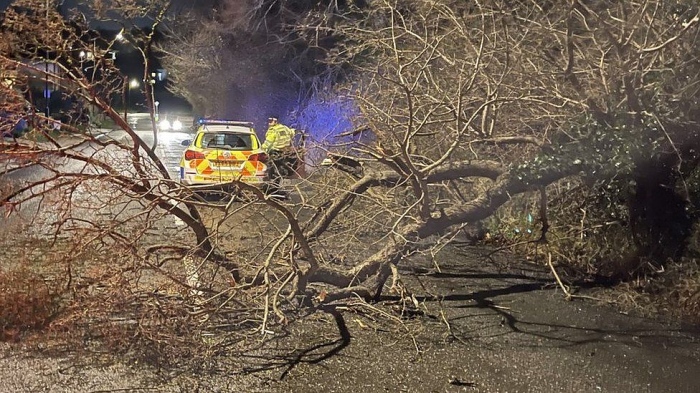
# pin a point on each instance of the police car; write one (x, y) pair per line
(221, 152)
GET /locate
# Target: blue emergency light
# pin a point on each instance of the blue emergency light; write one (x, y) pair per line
(224, 122)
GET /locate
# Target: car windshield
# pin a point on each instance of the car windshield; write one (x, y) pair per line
(226, 140)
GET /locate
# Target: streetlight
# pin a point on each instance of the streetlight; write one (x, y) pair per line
(86, 56)
(157, 76)
(127, 94)
(152, 82)
(83, 57)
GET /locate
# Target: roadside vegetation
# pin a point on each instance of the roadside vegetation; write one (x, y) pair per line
(565, 132)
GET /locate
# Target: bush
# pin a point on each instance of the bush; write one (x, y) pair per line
(674, 292)
(590, 235)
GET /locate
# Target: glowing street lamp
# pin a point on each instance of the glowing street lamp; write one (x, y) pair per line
(157, 76)
(133, 84)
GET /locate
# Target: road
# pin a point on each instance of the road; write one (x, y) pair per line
(169, 148)
(486, 330)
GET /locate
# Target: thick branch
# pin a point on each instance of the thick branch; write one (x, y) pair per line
(410, 234)
(447, 171)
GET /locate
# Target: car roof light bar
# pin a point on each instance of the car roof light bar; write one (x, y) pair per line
(224, 122)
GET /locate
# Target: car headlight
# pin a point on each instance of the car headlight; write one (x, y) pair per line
(177, 125)
(164, 125)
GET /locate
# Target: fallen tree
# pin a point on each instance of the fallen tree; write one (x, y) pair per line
(461, 108)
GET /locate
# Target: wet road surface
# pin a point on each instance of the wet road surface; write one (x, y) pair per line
(33, 218)
(169, 148)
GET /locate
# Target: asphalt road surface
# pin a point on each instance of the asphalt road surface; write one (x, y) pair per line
(169, 148)
(508, 332)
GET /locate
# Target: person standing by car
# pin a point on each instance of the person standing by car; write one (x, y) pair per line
(278, 136)
(278, 145)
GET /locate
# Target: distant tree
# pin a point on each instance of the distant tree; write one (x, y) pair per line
(243, 59)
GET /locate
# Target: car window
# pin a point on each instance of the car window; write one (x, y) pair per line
(229, 141)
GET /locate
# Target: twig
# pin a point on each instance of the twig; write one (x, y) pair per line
(363, 303)
(556, 275)
(266, 275)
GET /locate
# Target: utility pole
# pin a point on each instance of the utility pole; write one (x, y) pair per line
(126, 104)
